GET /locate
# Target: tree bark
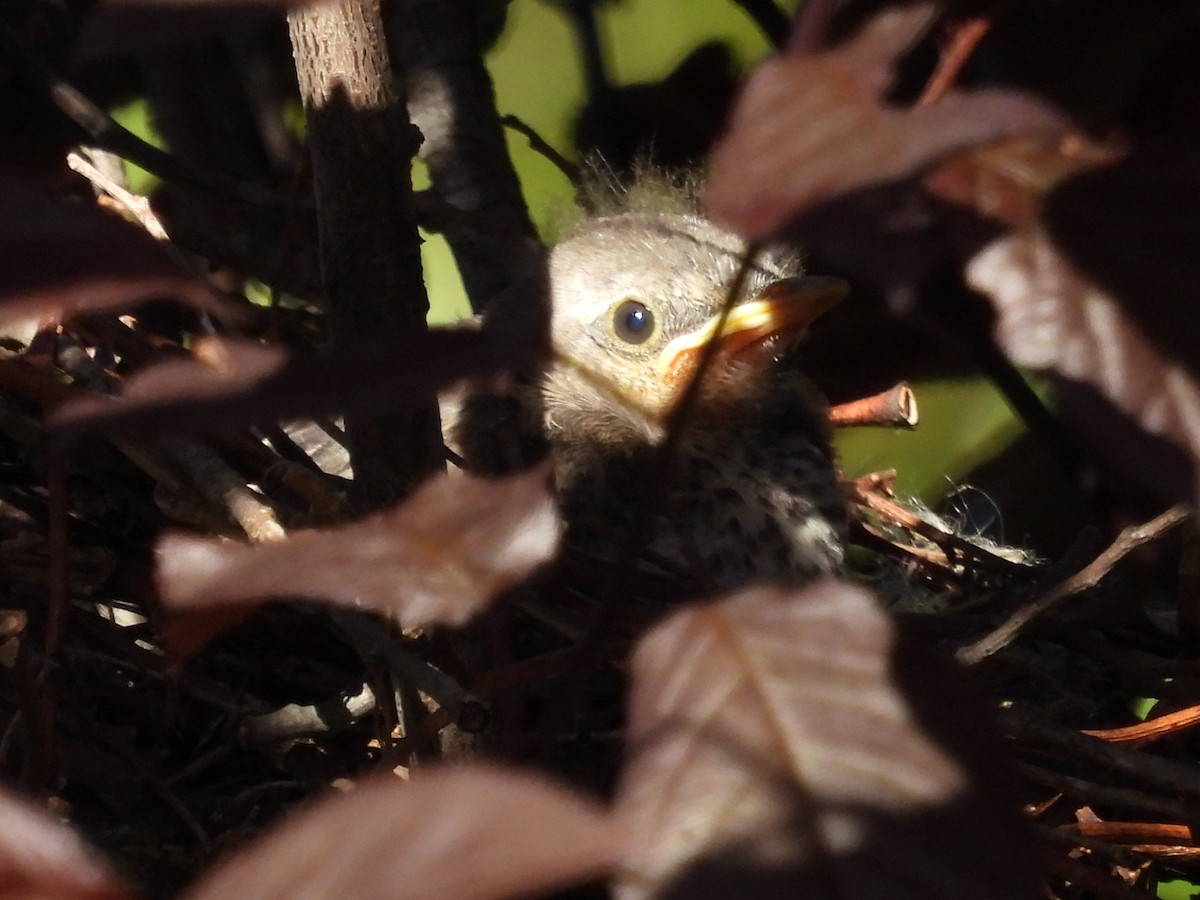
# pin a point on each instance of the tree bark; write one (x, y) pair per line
(451, 99)
(362, 145)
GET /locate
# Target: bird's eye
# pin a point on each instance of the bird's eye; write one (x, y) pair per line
(633, 322)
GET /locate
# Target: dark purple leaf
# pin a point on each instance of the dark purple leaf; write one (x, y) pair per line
(1053, 318)
(783, 744)
(1132, 229)
(42, 858)
(63, 258)
(471, 833)
(241, 381)
(436, 559)
(121, 27)
(1008, 180)
(809, 129)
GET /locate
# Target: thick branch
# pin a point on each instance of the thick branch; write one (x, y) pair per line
(485, 220)
(362, 146)
(451, 100)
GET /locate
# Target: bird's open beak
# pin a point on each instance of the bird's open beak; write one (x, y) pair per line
(784, 307)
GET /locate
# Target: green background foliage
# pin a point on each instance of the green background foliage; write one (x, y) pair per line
(538, 77)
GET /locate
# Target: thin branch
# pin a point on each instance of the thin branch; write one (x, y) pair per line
(135, 205)
(866, 493)
(296, 720)
(771, 20)
(896, 406)
(545, 148)
(1086, 579)
(1107, 795)
(955, 54)
(1070, 866)
(102, 131)
(1136, 832)
(1176, 779)
(372, 643)
(222, 487)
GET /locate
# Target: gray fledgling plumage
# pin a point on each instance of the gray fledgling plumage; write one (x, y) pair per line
(753, 494)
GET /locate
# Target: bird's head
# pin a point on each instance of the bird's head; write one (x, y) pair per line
(636, 297)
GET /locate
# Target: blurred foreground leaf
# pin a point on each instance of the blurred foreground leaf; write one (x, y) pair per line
(437, 558)
(783, 744)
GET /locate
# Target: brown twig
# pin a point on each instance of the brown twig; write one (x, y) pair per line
(222, 487)
(771, 20)
(1136, 832)
(865, 492)
(325, 503)
(932, 556)
(360, 139)
(1151, 730)
(373, 642)
(213, 479)
(1085, 580)
(895, 406)
(962, 44)
(1101, 885)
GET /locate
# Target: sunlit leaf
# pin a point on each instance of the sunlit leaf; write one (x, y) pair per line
(42, 858)
(809, 129)
(782, 744)
(439, 557)
(1053, 318)
(1008, 179)
(467, 834)
(1152, 277)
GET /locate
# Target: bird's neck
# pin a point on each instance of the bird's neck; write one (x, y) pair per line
(591, 431)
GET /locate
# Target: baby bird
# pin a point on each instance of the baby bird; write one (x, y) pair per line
(752, 492)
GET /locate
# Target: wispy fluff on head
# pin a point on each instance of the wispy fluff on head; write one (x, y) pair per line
(650, 190)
